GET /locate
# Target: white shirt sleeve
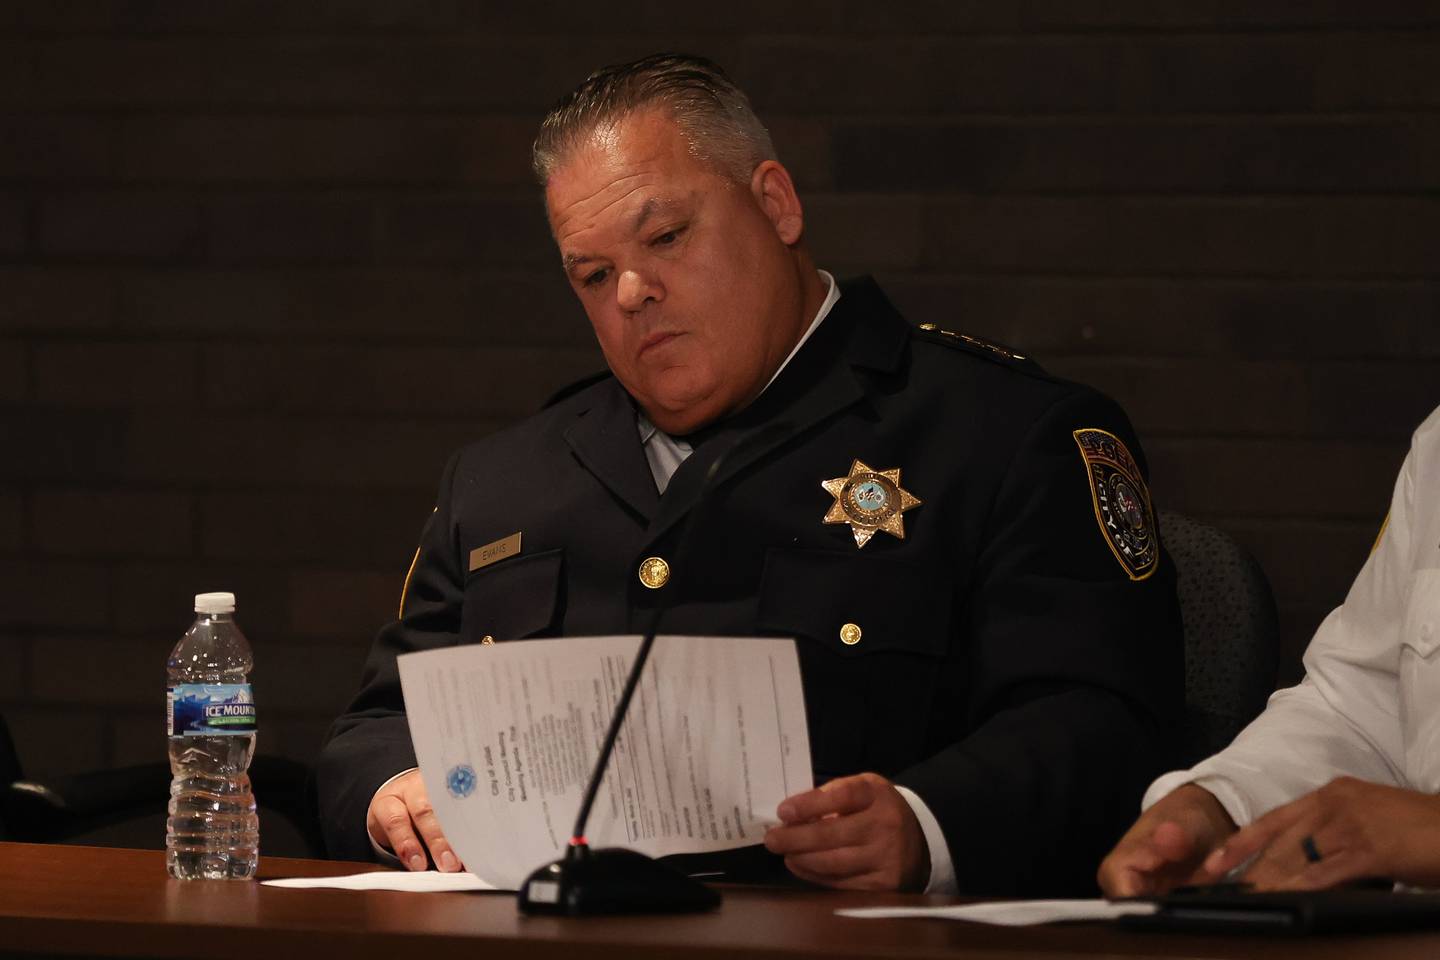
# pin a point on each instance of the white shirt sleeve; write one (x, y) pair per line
(942, 868)
(385, 856)
(1343, 718)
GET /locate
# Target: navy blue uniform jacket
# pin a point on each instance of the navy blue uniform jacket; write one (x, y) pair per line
(1012, 670)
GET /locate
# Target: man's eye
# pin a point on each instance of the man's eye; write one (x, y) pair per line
(597, 278)
(668, 237)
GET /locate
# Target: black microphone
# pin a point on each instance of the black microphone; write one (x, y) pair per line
(613, 880)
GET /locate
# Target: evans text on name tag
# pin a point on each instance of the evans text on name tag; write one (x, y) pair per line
(492, 552)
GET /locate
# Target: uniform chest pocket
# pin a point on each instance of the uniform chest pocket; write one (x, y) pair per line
(872, 633)
(1420, 681)
(851, 606)
(512, 599)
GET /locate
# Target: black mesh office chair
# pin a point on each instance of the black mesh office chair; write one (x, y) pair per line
(69, 807)
(9, 773)
(1231, 633)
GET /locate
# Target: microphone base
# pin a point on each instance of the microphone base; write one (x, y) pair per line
(590, 883)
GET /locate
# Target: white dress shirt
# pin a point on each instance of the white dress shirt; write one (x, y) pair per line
(1369, 706)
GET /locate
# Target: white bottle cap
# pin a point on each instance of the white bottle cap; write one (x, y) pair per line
(214, 603)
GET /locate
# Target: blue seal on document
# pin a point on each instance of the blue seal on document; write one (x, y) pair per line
(461, 781)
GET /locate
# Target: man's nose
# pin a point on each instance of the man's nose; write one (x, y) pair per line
(635, 289)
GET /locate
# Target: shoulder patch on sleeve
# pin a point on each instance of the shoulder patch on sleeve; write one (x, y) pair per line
(1122, 501)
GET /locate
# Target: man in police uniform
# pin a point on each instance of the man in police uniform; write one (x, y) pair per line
(1337, 780)
(963, 546)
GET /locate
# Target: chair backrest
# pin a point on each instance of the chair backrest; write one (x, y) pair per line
(109, 805)
(9, 772)
(1231, 632)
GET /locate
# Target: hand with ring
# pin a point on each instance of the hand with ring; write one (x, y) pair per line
(1346, 831)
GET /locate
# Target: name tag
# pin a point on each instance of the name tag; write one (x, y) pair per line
(494, 552)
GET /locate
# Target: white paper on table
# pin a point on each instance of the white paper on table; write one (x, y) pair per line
(1014, 913)
(424, 881)
(506, 736)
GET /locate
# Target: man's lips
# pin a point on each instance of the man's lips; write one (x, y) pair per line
(656, 339)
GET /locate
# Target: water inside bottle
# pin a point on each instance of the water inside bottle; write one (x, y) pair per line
(212, 831)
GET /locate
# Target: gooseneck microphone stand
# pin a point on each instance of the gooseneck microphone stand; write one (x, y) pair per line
(613, 880)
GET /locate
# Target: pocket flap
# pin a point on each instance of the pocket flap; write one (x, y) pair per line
(1421, 630)
(853, 605)
(512, 599)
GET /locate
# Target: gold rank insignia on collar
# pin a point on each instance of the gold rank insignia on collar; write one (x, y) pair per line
(869, 500)
(994, 348)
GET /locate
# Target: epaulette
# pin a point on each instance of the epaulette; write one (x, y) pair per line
(570, 389)
(978, 346)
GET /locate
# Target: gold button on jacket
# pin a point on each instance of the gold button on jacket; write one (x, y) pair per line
(850, 634)
(654, 572)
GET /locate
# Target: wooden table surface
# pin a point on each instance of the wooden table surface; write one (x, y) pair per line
(92, 901)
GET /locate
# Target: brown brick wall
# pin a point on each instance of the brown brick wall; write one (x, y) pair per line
(264, 264)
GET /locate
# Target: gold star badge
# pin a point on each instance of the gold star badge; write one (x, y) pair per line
(869, 500)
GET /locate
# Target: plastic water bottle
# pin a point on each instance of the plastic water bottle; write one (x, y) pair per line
(212, 832)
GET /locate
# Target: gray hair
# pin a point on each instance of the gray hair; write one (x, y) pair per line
(713, 113)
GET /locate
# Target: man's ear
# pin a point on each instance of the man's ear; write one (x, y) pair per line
(774, 191)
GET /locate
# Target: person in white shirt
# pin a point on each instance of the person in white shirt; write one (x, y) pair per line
(1337, 779)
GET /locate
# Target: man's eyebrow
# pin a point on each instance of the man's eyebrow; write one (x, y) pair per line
(648, 209)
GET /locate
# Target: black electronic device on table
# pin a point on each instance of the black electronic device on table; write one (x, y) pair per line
(1234, 909)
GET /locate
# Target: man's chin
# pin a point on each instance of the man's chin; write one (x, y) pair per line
(678, 405)
(679, 415)
(678, 423)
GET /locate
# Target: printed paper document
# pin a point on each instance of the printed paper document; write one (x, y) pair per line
(424, 881)
(507, 734)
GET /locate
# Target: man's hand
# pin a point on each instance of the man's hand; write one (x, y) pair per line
(1167, 846)
(1359, 830)
(855, 833)
(398, 811)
